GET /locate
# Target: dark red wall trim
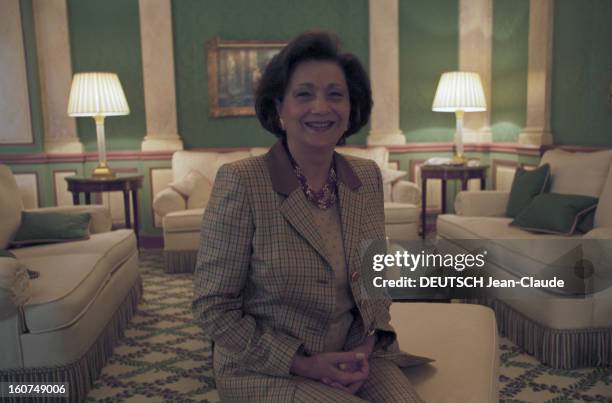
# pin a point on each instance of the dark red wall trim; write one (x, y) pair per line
(511, 148)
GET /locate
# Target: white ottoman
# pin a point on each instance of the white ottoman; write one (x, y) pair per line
(462, 338)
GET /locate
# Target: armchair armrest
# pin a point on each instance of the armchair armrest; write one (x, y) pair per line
(406, 192)
(486, 203)
(599, 233)
(101, 220)
(167, 201)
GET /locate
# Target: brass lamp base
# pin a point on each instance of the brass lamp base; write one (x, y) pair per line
(459, 159)
(102, 171)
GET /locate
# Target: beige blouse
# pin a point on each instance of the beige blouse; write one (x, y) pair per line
(329, 225)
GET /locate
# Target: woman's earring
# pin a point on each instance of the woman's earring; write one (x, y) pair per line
(282, 124)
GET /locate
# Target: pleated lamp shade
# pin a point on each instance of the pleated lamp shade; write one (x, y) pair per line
(459, 91)
(97, 94)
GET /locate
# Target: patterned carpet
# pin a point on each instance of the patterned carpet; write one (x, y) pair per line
(164, 356)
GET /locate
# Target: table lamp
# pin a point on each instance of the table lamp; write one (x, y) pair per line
(98, 95)
(459, 92)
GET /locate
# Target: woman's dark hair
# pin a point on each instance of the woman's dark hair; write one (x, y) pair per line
(312, 46)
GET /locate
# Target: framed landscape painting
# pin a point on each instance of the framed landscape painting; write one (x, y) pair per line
(234, 68)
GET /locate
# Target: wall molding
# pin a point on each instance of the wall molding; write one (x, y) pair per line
(52, 158)
(15, 115)
(415, 167)
(131, 155)
(54, 178)
(506, 148)
(495, 164)
(36, 188)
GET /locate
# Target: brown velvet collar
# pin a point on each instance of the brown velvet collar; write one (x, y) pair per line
(284, 180)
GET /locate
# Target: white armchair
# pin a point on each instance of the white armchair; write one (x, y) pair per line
(182, 212)
(402, 198)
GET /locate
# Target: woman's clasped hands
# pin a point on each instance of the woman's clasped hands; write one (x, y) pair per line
(346, 371)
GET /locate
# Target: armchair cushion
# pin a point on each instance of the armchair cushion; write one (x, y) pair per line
(486, 203)
(525, 186)
(398, 213)
(555, 213)
(200, 194)
(181, 221)
(49, 227)
(63, 290)
(117, 246)
(185, 185)
(206, 163)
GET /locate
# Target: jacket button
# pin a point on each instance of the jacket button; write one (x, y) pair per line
(355, 276)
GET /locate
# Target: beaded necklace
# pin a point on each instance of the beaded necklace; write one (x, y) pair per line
(324, 198)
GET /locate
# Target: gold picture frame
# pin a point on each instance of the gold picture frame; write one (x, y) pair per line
(233, 70)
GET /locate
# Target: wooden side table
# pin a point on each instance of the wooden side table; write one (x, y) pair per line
(446, 172)
(125, 184)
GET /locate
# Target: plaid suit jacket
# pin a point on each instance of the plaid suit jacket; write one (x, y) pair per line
(263, 288)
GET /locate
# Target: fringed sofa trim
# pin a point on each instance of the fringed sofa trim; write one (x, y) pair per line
(180, 261)
(81, 374)
(558, 348)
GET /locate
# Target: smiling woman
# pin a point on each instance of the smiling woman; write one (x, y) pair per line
(277, 283)
(315, 109)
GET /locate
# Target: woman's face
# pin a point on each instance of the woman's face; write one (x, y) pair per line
(316, 107)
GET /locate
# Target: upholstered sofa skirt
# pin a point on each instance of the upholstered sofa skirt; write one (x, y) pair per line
(558, 348)
(180, 261)
(76, 353)
(81, 374)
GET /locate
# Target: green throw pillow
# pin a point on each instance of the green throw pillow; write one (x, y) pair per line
(525, 186)
(47, 227)
(556, 213)
(587, 222)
